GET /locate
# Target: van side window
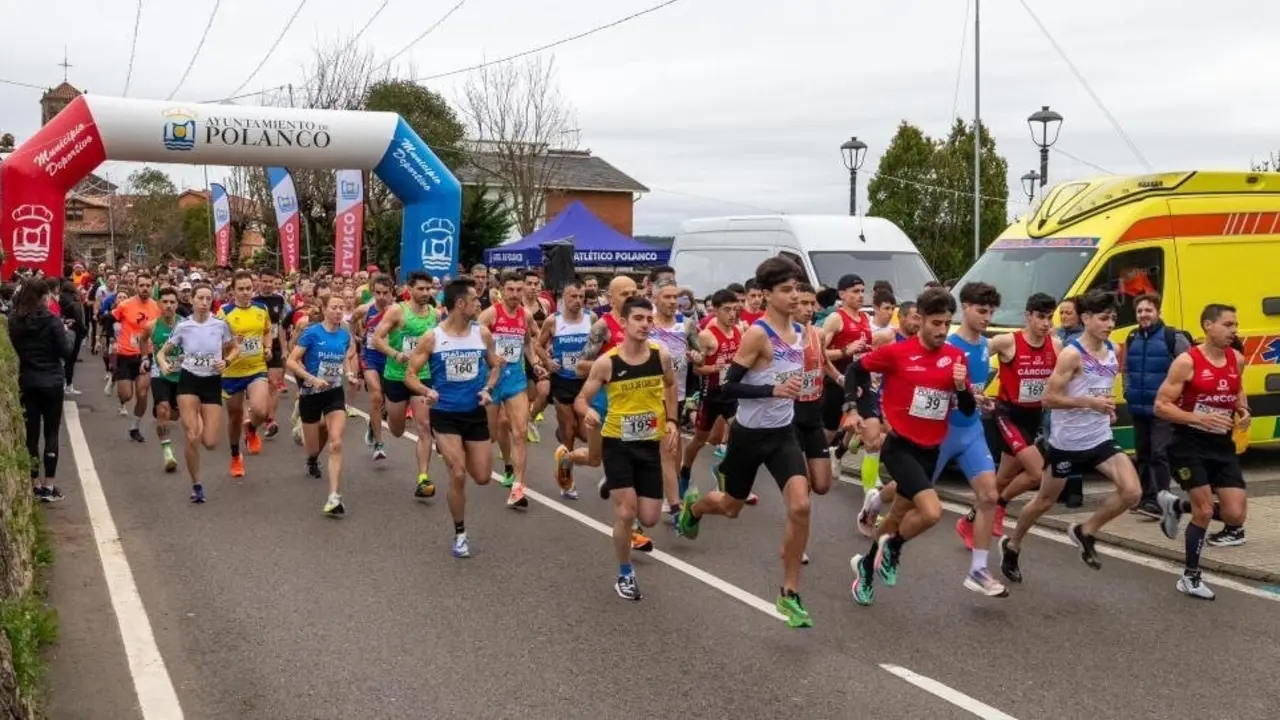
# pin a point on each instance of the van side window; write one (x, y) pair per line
(1128, 275)
(799, 263)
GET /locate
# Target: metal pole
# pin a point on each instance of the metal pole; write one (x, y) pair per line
(209, 225)
(853, 191)
(1044, 165)
(306, 231)
(977, 131)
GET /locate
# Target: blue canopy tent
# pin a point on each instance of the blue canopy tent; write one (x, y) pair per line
(595, 244)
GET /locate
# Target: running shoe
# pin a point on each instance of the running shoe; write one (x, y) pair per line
(627, 588)
(461, 548)
(1233, 537)
(1009, 561)
(1190, 584)
(111, 385)
(425, 488)
(508, 479)
(864, 593)
(72, 390)
(368, 434)
(686, 524)
(867, 517)
(804, 559)
(313, 468)
(793, 610)
(296, 432)
(122, 412)
(197, 493)
(752, 498)
(639, 541)
(136, 435)
(886, 562)
(517, 499)
(564, 468)
(997, 525)
(569, 494)
(1170, 513)
(379, 451)
(273, 429)
(717, 478)
(534, 436)
(237, 467)
(1085, 542)
(964, 528)
(333, 508)
(170, 462)
(981, 582)
(252, 440)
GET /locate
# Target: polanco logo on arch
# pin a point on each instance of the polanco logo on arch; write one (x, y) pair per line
(179, 129)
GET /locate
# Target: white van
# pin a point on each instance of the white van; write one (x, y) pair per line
(711, 253)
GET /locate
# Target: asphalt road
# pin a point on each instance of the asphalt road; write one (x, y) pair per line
(262, 608)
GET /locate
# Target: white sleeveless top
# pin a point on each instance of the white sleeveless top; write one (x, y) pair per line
(677, 344)
(1075, 429)
(788, 361)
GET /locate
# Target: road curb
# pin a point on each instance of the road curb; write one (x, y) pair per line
(1057, 523)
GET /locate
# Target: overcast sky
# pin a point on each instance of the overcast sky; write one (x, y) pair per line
(734, 106)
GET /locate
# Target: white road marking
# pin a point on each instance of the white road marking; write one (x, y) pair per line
(955, 697)
(156, 696)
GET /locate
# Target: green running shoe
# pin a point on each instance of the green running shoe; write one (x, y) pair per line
(686, 525)
(425, 488)
(863, 592)
(886, 562)
(508, 479)
(789, 605)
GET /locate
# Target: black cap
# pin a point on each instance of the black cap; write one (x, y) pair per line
(848, 281)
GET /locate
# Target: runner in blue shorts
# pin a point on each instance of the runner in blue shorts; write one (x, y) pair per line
(364, 322)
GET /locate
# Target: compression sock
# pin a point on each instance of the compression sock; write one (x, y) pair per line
(870, 470)
(1195, 543)
(235, 450)
(625, 570)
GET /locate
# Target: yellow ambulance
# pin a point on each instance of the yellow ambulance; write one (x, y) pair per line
(1194, 237)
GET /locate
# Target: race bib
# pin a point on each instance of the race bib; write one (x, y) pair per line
(1031, 391)
(510, 347)
(724, 374)
(811, 383)
(408, 343)
(330, 369)
(461, 368)
(570, 360)
(1210, 410)
(198, 361)
(679, 361)
(639, 426)
(930, 404)
(251, 346)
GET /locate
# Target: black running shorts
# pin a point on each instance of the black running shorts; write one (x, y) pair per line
(472, 426)
(909, 464)
(1066, 463)
(1198, 462)
(809, 431)
(164, 392)
(128, 368)
(636, 465)
(775, 448)
(565, 390)
(313, 407)
(207, 389)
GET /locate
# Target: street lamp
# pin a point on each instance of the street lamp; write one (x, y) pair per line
(1046, 118)
(1029, 185)
(854, 151)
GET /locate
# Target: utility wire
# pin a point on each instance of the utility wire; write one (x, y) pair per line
(1082, 161)
(366, 25)
(550, 45)
(1085, 84)
(666, 191)
(270, 52)
(199, 47)
(421, 36)
(17, 83)
(946, 190)
(133, 48)
(964, 37)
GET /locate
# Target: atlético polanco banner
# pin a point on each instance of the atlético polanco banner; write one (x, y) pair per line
(349, 222)
(221, 223)
(285, 198)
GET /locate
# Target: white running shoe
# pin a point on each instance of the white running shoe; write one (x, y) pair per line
(867, 516)
(1190, 584)
(1169, 514)
(982, 583)
(461, 548)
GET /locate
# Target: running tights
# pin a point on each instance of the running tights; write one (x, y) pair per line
(42, 407)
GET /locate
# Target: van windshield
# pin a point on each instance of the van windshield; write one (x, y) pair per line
(1020, 272)
(907, 272)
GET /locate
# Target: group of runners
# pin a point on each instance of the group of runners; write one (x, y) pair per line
(469, 364)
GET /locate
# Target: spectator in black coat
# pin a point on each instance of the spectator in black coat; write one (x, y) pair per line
(44, 346)
(73, 319)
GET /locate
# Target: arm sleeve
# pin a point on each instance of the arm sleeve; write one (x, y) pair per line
(966, 403)
(734, 389)
(857, 387)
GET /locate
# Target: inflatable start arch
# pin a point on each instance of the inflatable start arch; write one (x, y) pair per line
(36, 178)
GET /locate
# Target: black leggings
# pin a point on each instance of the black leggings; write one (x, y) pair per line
(42, 406)
(75, 355)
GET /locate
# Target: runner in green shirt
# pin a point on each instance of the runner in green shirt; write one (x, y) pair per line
(164, 388)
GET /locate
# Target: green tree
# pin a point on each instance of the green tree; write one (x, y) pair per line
(486, 222)
(426, 111)
(197, 233)
(152, 216)
(925, 186)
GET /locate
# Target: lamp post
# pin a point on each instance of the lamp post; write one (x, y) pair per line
(854, 152)
(1029, 185)
(1050, 124)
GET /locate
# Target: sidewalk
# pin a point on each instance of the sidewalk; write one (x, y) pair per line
(1258, 559)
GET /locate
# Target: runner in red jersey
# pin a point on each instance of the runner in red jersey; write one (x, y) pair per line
(921, 379)
(847, 334)
(1202, 396)
(808, 420)
(719, 342)
(751, 304)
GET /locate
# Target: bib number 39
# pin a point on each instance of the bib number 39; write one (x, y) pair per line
(930, 404)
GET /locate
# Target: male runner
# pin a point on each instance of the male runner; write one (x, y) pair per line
(132, 374)
(246, 377)
(882, 306)
(1080, 395)
(270, 297)
(203, 345)
(679, 335)
(1026, 360)
(1202, 396)
(751, 303)
(560, 343)
(808, 420)
(324, 355)
(402, 327)
(164, 386)
(539, 387)
(364, 323)
(966, 441)
(846, 334)
(510, 327)
(921, 378)
(765, 378)
(464, 371)
(639, 379)
(718, 343)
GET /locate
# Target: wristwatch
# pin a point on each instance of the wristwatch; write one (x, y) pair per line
(848, 406)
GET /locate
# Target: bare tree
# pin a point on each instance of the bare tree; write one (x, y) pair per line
(251, 207)
(518, 116)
